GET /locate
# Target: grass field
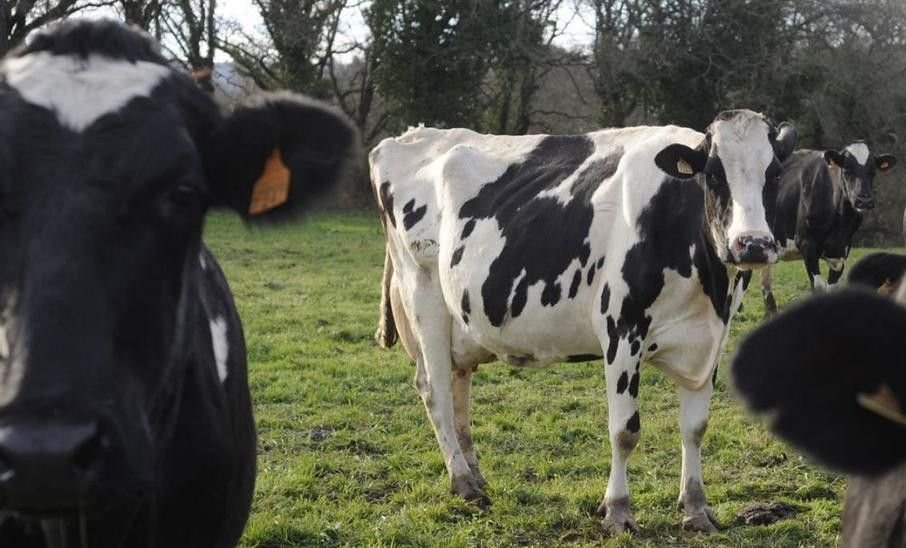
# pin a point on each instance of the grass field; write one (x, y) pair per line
(347, 456)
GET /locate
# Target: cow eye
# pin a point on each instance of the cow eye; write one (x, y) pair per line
(187, 194)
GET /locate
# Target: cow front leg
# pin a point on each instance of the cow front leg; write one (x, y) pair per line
(462, 385)
(810, 258)
(622, 378)
(835, 270)
(693, 424)
(767, 282)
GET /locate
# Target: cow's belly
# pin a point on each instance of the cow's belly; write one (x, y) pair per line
(540, 335)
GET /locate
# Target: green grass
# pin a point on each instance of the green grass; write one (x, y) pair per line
(347, 456)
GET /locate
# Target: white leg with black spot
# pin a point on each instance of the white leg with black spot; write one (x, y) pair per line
(624, 428)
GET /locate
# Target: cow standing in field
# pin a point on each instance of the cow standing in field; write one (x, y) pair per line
(820, 203)
(631, 244)
(125, 414)
(833, 383)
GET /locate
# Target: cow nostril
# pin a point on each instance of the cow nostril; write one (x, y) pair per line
(90, 452)
(6, 468)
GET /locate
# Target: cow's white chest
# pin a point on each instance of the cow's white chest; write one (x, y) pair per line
(686, 330)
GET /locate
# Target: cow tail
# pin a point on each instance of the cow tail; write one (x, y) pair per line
(386, 334)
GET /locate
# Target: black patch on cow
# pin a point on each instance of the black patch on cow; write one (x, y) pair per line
(457, 256)
(633, 424)
(543, 236)
(614, 339)
(574, 286)
(583, 358)
(636, 346)
(551, 294)
(591, 274)
(585, 253)
(605, 299)
(467, 230)
(652, 348)
(387, 202)
(105, 38)
(622, 383)
(600, 263)
(634, 384)
(413, 216)
(465, 306)
(714, 375)
(520, 297)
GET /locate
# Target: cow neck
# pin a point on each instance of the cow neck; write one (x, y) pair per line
(715, 274)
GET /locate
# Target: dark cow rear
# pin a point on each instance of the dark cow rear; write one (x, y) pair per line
(125, 416)
(820, 203)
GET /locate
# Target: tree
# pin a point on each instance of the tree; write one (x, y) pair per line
(20, 17)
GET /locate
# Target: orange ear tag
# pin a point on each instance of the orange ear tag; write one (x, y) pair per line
(272, 188)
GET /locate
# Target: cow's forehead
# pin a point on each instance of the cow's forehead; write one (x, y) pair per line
(859, 151)
(78, 89)
(741, 140)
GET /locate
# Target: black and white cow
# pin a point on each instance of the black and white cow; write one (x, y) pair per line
(820, 202)
(125, 416)
(834, 384)
(628, 244)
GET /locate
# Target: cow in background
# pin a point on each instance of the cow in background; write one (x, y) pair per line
(125, 413)
(820, 202)
(632, 245)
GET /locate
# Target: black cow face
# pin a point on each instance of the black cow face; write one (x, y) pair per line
(738, 163)
(108, 163)
(857, 167)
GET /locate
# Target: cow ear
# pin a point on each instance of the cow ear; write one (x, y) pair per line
(786, 140)
(885, 161)
(824, 371)
(272, 157)
(833, 158)
(681, 161)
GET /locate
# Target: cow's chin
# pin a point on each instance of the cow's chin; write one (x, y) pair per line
(741, 264)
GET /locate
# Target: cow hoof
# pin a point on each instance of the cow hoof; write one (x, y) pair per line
(704, 522)
(619, 525)
(617, 517)
(477, 474)
(470, 489)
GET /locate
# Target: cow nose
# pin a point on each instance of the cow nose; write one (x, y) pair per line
(865, 202)
(47, 467)
(755, 249)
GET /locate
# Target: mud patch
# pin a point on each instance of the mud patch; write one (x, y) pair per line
(765, 513)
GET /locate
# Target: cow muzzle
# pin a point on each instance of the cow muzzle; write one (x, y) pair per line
(863, 202)
(50, 468)
(754, 250)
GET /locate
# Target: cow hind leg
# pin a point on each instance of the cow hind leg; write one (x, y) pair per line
(767, 282)
(431, 326)
(622, 378)
(810, 258)
(462, 385)
(693, 424)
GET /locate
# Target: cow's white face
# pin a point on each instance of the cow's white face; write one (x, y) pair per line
(739, 162)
